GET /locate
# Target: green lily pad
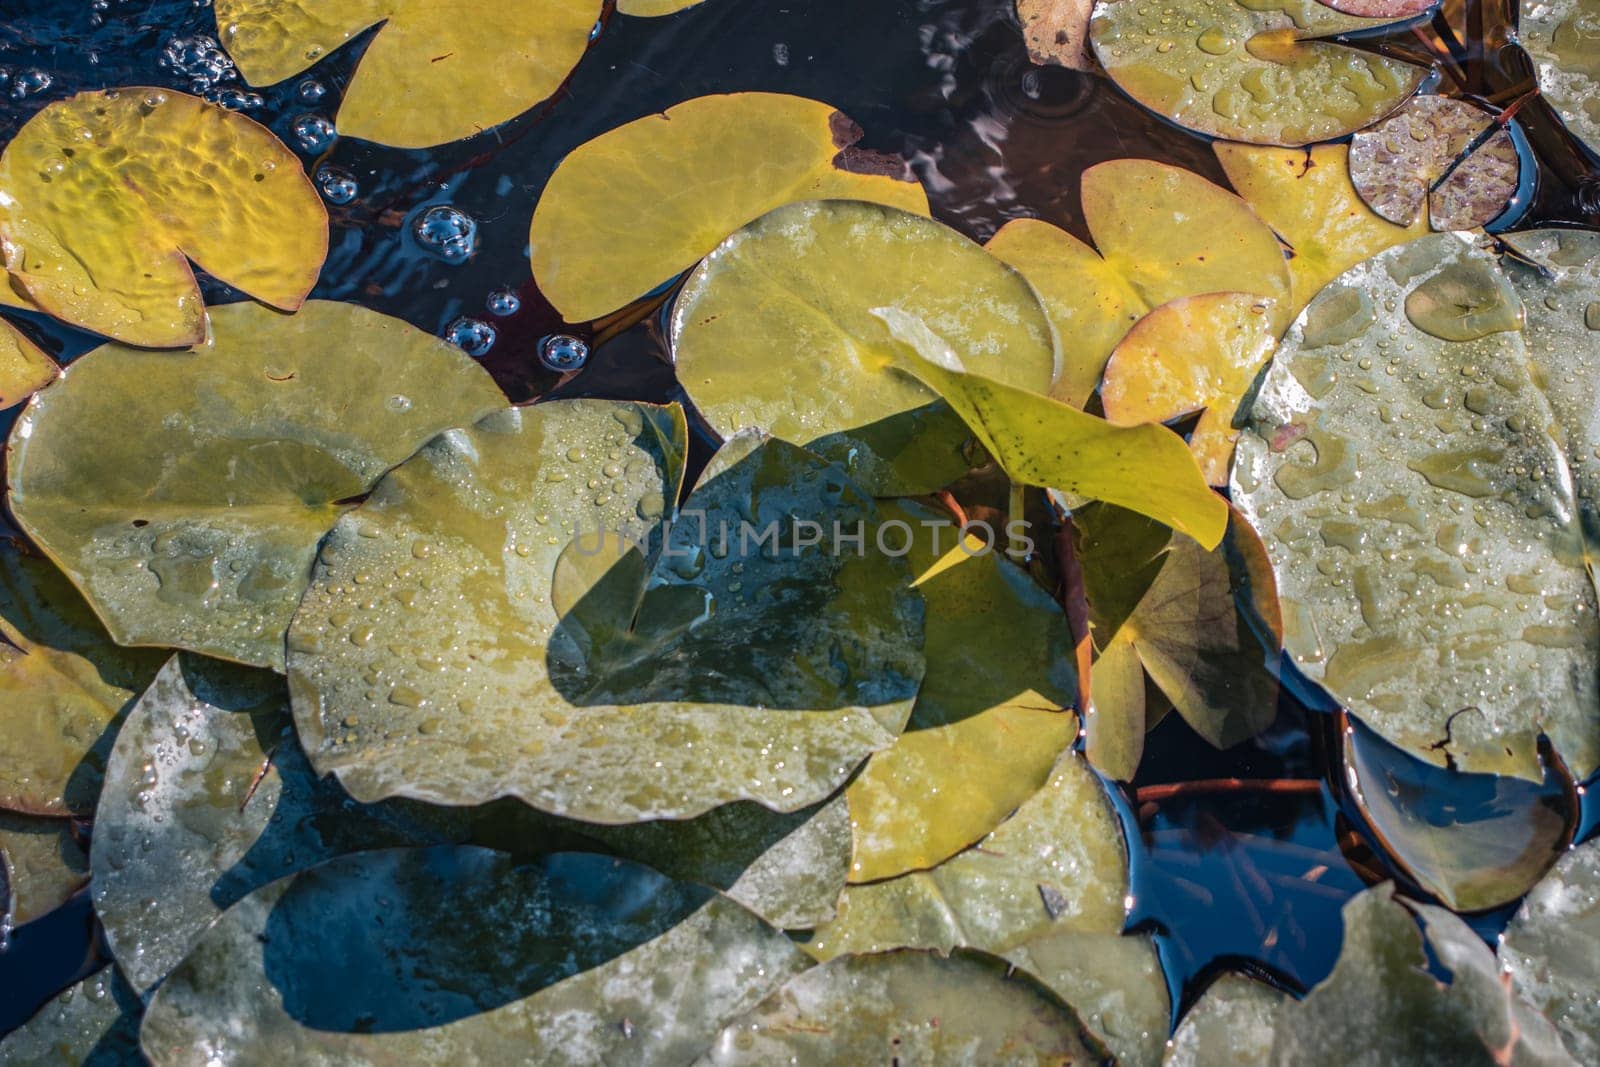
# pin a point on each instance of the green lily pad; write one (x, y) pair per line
(1402, 466)
(467, 955)
(776, 330)
(41, 866)
(1233, 1024)
(1419, 155)
(63, 688)
(908, 1007)
(1561, 38)
(24, 367)
(185, 493)
(466, 681)
(1113, 981)
(95, 1022)
(1551, 945)
(1250, 70)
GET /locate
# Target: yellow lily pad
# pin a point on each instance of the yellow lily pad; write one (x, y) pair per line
(1198, 353)
(689, 177)
(1162, 233)
(41, 866)
(24, 367)
(435, 72)
(654, 8)
(1250, 70)
(105, 199)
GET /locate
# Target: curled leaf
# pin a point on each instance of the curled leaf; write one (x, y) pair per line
(1433, 151)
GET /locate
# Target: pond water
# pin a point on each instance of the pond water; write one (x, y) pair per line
(1240, 858)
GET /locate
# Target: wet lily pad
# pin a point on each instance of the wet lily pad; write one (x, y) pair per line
(185, 493)
(689, 177)
(908, 1007)
(776, 329)
(653, 8)
(1402, 465)
(1057, 32)
(1197, 353)
(1381, 9)
(469, 955)
(1250, 71)
(1113, 981)
(990, 719)
(95, 1022)
(107, 197)
(24, 367)
(41, 866)
(432, 74)
(1233, 1024)
(1420, 156)
(1551, 945)
(467, 681)
(1162, 233)
(63, 688)
(1561, 39)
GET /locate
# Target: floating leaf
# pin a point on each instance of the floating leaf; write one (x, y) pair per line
(1381, 9)
(628, 705)
(94, 1022)
(1162, 233)
(24, 367)
(653, 8)
(688, 177)
(1420, 154)
(1114, 982)
(1559, 37)
(1306, 196)
(433, 73)
(908, 1007)
(106, 197)
(1057, 32)
(1233, 1024)
(1198, 353)
(470, 956)
(990, 718)
(777, 329)
(185, 493)
(41, 867)
(1551, 945)
(63, 688)
(1420, 517)
(1250, 71)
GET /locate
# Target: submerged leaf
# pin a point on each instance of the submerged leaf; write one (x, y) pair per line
(1420, 154)
(778, 329)
(105, 199)
(95, 1022)
(1057, 32)
(689, 177)
(41, 867)
(1250, 71)
(185, 493)
(1551, 945)
(434, 72)
(1560, 38)
(24, 367)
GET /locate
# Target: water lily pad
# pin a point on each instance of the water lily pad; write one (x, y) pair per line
(1113, 981)
(63, 688)
(1197, 353)
(1233, 1024)
(24, 367)
(990, 719)
(434, 73)
(908, 1007)
(467, 955)
(1562, 40)
(95, 1022)
(653, 8)
(737, 666)
(1402, 466)
(1162, 233)
(1250, 71)
(105, 199)
(1306, 195)
(1057, 32)
(1550, 947)
(776, 330)
(689, 177)
(41, 866)
(185, 493)
(1420, 155)
(1381, 9)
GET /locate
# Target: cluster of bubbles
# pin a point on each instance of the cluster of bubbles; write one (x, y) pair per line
(473, 336)
(201, 60)
(447, 233)
(337, 184)
(24, 83)
(562, 352)
(314, 133)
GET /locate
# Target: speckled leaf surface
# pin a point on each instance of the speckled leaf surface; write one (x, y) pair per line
(41, 866)
(1561, 38)
(24, 367)
(1419, 156)
(92, 1024)
(1233, 1024)
(1162, 233)
(1257, 71)
(689, 177)
(1551, 945)
(739, 667)
(1113, 981)
(1381, 9)
(1401, 465)
(465, 955)
(63, 688)
(105, 199)
(992, 715)
(776, 330)
(435, 72)
(909, 1008)
(1057, 32)
(185, 493)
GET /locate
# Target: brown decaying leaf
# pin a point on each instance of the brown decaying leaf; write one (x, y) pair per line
(1057, 32)
(1398, 165)
(1380, 9)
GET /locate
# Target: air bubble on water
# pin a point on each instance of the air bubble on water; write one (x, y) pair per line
(337, 184)
(473, 336)
(235, 99)
(200, 59)
(447, 233)
(315, 133)
(503, 302)
(310, 91)
(28, 83)
(780, 54)
(562, 352)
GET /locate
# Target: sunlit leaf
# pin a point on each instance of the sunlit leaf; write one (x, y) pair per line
(990, 718)
(41, 866)
(1162, 233)
(1254, 71)
(1306, 196)
(653, 8)
(777, 330)
(107, 197)
(1559, 37)
(468, 956)
(1114, 982)
(92, 1023)
(737, 665)
(1419, 155)
(434, 72)
(688, 177)
(908, 1007)
(24, 367)
(1401, 466)
(1551, 945)
(1233, 1024)
(1381, 9)
(1198, 353)
(185, 493)
(1057, 32)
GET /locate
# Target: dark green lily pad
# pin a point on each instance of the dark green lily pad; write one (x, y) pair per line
(185, 492)
(42, 865)
(1113, 981)
(94, 1024)
(1551, 945)
(467, 955)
